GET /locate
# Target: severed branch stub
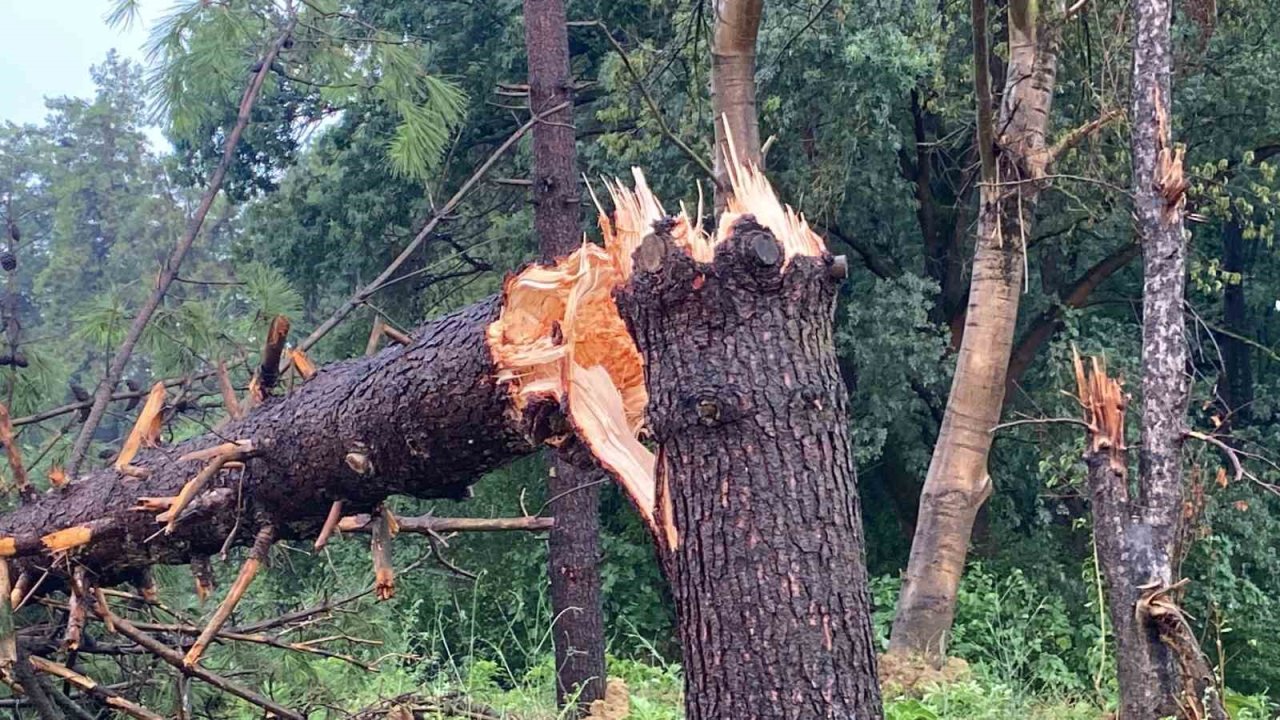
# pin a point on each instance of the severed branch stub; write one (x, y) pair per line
(257, 556)
(383, 529)
(77, 610)
(330, 524)
(14, 455)
(269, 368)
(145, 432)
(228, 391)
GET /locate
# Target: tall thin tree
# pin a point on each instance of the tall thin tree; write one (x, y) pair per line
(1013, 163)
(573, 556)
(1160, 667)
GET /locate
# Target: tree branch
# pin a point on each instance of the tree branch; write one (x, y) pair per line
(102, 395)
(1075, 135)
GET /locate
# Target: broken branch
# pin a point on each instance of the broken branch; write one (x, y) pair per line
(257, 556)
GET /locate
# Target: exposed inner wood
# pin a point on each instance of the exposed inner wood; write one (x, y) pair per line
(560, 338)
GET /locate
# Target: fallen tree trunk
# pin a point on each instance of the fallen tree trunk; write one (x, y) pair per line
(424, 420)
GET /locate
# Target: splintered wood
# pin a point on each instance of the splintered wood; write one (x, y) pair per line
(145, 432)
(269, 367)
(560, 340)
(229, 399)
(302, 363)
(1103, 402)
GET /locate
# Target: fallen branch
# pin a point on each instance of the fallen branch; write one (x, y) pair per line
(130, 395)
(175, 658)
(91, 687)
(257, 556)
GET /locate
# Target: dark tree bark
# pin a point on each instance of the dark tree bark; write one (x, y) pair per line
(573, 549)
(756, 507)
(424, 420)
(749, 411)
(1161, 670)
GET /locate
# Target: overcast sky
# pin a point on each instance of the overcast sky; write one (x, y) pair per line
(47, 46)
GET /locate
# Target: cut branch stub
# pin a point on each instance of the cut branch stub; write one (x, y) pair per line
(220, 456)
(269, 369)
(14, 454)
(145, 432)
(382, 530)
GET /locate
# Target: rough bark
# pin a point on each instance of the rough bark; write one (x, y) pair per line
(573, 548)
(756, 508)
(749, 413)
(427, 420)
(1161, 670)
(1159, 665)
(1013, 165)
(733, 87)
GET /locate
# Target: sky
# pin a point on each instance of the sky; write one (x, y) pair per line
(47, 46)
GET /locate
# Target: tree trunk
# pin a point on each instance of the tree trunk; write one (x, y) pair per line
(1160, 668)
(573, 549)
(425, 420)
(1158, 660)
(733, 87)
(751, 498)
(957, 483)
(749, 412)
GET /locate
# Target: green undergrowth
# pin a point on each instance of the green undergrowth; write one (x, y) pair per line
(655, 694)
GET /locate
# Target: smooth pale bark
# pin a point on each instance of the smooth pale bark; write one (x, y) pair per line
(733, 87)
(573, 549)
(750, 415)
(957, 482)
